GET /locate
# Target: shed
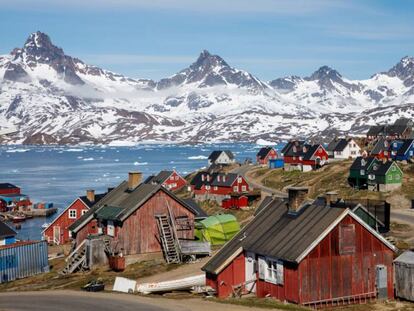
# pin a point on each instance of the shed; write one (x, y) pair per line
(217, 229)
(404, 275)
(276, 163)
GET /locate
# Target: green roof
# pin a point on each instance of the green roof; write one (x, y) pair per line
(109, 212)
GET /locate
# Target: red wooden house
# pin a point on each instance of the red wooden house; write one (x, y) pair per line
(57, 232)
(6, 188)
(218, 186)
(168, 179)
(265, 154)
(298, 155)
(307, 253)
(128, 214)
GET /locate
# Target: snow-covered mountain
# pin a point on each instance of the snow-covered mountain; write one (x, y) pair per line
(51, 97)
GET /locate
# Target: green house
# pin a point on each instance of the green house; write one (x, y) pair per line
(384, 176)
(358, 173)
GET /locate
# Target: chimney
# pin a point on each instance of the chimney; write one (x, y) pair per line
(134, 179)
(110, 189)
(90, 195)
(297, 196)
(331, 197)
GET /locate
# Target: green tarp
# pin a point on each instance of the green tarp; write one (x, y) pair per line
(217, 229)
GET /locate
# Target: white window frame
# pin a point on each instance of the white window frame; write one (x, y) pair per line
(239, 180)
(110, 228)
(235, 189)
(244, 188)
(362, 172)
(215, 188)
(70, 215)
(207, 187)
(274, 271)
(83, 212)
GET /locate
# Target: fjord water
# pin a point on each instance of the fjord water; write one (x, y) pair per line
(61, 174)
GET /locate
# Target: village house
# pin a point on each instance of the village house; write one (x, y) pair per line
(168, 179)
(265, 154)
(381, 149)
(11, 198)
(304, 252)
(402, 128)
(7, 234)
(218, 186)
(402, 149)
(384, 176)
(221, 157)
(57, 232)
(343, 148)
(129, 216)
(298, 155)
(358, 172)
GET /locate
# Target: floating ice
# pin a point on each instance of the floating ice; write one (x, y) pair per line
(199, 157)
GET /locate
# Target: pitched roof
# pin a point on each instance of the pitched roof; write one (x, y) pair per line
(288, 150)
(215, 154)
(310, 151)
(276, 233)
(127, 201)
(7, 186)
(404, 122)
(223, 179)
(362, 163)
(263, 152)
(381, 145)
(160, 178)
(98, 197)
(6, 231)
(200, 213)
(396, 129)
(381, 168)
(407, 143)
(198, 181)
(338, 144)
(376, 130)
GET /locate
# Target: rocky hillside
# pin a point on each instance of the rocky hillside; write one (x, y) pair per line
(50, 97)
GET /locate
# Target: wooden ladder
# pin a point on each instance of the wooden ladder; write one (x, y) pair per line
(76, 261)
(169, 241)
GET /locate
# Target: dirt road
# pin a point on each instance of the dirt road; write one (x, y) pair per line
(80, 301)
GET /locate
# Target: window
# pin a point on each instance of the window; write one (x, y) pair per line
(244, 188)
(411, 153)
(353, 152)
(390, 177)
(274, 271)
(215, 188)
(362, 172)
(347, 239)
(239, 180)
(110, 229)
(172, 178)
(207, 187)
(72, 214)
(235, 188)
(84, 211)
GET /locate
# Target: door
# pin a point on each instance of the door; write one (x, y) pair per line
(56, 235)
(381, 281)
(251, 272)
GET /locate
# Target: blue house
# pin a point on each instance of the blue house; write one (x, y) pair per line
(402, 150)
(7, 234)
(276, 163)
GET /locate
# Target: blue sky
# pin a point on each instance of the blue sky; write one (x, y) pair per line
(269, 38)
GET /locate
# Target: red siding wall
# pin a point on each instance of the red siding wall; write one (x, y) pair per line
(174, 182)
(90, 228)
(325, 274)
(224, 190)
(233, 274)
(139, 233)
(271, 155)
(63, 221)
(10, 191)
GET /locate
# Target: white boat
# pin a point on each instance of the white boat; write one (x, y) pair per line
(45, 225)
(167, 286)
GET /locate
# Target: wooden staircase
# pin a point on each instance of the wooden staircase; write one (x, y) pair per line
(76, 261)
(169, 239)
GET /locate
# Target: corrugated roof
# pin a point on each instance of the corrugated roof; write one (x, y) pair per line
(108, 212)
(129, 201)
(200, 213)
(6, 231)
(277, 233)
(407, 257)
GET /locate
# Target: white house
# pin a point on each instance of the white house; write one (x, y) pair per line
(221, 157)
(343, 148)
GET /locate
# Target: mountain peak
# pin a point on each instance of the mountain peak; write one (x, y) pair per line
(325, 72)
(407, 60)
(208, 60)
(404, 70)
(38, 39)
